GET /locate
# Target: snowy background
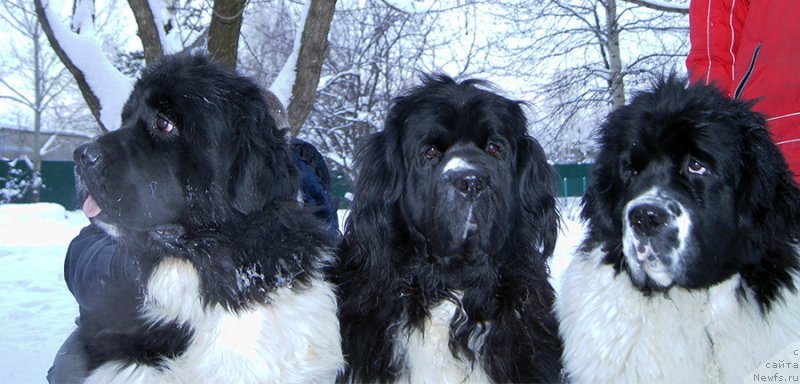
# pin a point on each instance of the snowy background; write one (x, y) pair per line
(38, 312)
(552, 55)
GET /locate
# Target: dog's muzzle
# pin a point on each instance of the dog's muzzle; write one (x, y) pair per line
(656, 230)
(464, 202)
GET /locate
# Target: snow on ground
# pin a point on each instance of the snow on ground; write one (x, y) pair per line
(570, 236)
(38, 311)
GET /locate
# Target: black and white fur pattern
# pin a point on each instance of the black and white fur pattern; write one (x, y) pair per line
(442, 272)
(690, 270)
(199, 188)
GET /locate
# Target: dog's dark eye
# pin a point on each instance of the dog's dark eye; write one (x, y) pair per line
(164, 125)
(629, 169)
(493, 150)
(432, 153)
(696, 168)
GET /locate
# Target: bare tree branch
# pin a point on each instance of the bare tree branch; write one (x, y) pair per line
(15, 99)
(662, 6)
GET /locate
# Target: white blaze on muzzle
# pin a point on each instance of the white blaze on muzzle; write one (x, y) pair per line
(655, 237)
(452, 170)
(457, 164)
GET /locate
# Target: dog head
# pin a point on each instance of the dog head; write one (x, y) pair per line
(455, 172)
(196, 147)
(688, 189)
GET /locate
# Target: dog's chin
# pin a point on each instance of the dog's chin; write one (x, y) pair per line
(646, 271)
(112, 230)
(166, 234)
(650, 279)
(96, 215)
(462, 245)
(468, 243)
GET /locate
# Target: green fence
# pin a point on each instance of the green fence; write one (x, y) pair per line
(340, 187)
(571, 179)
(59, 182)
(57, 178)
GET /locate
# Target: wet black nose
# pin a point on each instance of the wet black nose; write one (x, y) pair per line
(647, 219)
(86, 155)
(470, 183)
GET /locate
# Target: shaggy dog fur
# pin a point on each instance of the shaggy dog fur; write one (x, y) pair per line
(442, 272)
(690, 270)
(199, 187)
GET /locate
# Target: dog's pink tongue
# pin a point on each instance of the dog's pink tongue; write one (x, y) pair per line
(90, 207)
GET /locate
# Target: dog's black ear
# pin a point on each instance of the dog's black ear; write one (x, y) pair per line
(768, 207)
(768, 199)
(600, 201)
(377, 189)
(536, 195)
(363, 271)
(597, 201)
(262, 169)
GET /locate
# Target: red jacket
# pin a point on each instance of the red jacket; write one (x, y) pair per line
(751, 50)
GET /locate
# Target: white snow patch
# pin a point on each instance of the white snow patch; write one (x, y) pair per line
(170, 42)
(284, 82)
(111, 87)
(37, 311)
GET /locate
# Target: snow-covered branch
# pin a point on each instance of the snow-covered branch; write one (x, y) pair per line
(104, 88)
(296, 84)
(165, 22)
(153, 22)
(282, 85)
(48, 145)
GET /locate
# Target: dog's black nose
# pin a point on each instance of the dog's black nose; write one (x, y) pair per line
(470, 184)
(86, 155)
(647, 219)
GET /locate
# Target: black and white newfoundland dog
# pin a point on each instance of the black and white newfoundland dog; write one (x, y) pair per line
(442, 272)
(198, 185)
(689, 273)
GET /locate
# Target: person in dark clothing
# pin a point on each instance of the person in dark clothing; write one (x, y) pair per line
(315, 182)
(104, 279)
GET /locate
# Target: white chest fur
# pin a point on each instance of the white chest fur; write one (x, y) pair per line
(427, 355)
(293, 339)
(613, 333)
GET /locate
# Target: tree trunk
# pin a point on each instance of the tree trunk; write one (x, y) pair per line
(313, 49)
(614, 59)
(88, 95)
(148, 30)
(38, 94)
(223, 33)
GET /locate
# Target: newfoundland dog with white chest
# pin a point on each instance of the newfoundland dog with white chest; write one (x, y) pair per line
(690, 270)
(199, 187)
(442, 272)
